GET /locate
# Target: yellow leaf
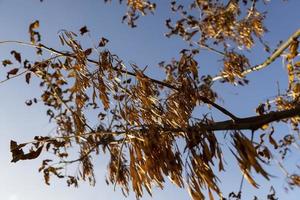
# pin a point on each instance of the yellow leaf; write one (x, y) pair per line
(250, 179)
(297, 64)
(265, 126)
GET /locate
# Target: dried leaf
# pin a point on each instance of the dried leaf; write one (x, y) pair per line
(83, 30)
(103, 42)
(12, 72)
(6, 62)
(211, 197)
(88, 51)
(34, 25)
(27, 77)
(34, 33)
(17, 56)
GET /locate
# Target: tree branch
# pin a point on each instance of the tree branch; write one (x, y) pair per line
(249, 123)
(162, 83)
(253, 122)
(270, 59)
(220, 108)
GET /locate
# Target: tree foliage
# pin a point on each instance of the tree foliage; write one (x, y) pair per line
(142, 119)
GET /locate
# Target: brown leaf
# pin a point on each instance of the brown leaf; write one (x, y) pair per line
(250, 179)
(6, 62)
(273, 142)
(211, 197)
(12, 72)
(17, 152)
(16, 55)
(27, 77)
(34, 25)
(88, 52)
(33, 33)
(103, 42)
(28, 102)
(61, 40)
(260, 109)
(33, 154)
(83, 30)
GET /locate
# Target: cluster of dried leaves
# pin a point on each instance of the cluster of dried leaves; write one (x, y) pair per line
(134, 9)
(226, 25)
(141, 120)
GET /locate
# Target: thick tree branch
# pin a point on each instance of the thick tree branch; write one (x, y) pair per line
(251, 123)
(270, 59)
(248, 123)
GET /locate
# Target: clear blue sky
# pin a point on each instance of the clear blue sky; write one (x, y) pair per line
(145, 45)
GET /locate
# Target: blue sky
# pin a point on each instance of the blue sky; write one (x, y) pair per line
(145, 45)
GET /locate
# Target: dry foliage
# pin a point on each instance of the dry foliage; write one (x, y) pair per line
(141, 119)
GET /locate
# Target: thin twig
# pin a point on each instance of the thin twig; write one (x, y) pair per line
(27, 70)
(68, 108)
(80, 136)
(82, 157)
(251, 10)
(14, 76)
(209, 48)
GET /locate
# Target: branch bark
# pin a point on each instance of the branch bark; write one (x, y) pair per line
(253, 122)
(248, 123)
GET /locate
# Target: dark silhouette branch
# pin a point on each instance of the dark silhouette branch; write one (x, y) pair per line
(253, 122)
(248, 123)
(220, 108)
